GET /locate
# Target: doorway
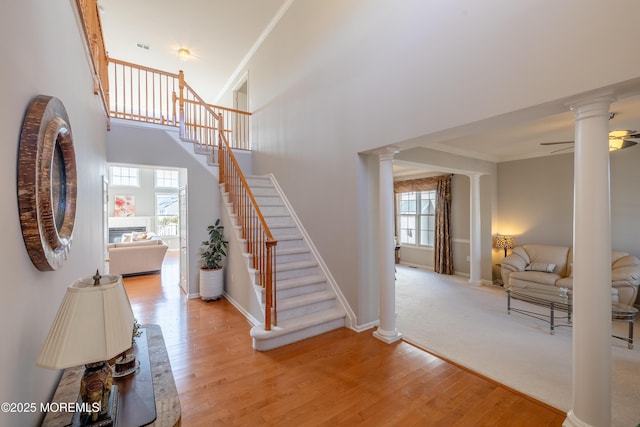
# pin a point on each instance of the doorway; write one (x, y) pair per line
(148, 203)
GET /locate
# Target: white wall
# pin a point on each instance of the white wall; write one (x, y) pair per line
(43, 49)
(152, 146)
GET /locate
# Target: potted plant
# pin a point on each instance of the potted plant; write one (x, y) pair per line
(211, 273)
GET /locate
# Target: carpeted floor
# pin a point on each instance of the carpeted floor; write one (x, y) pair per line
(469, 325)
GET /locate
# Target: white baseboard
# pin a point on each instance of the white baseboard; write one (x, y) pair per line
(245, 313)
(366, 326)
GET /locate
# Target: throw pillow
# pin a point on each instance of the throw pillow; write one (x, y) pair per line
(126, 237)
(139, 236)
(540, 266)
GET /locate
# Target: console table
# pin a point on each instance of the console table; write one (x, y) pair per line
(165, 394)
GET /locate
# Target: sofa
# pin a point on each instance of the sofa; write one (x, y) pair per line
(541, 266)
(136, 257)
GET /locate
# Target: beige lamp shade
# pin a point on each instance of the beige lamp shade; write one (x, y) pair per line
(94, 323)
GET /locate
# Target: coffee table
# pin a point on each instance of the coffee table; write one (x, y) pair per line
(561, 300)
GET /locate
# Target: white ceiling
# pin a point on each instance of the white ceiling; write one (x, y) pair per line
(218, 33)
(221, 35)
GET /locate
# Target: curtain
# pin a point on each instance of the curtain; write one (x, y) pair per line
(422, 184)
(443, 253)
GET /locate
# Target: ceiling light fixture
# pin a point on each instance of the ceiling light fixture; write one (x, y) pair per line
(183, 54)
(619, 139)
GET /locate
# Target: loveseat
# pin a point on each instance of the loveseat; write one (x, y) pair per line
(541, 266)
(136, 257)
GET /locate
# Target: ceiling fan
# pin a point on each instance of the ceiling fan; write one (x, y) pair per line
(618, 139)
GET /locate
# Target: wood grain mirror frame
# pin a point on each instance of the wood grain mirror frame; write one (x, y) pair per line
(47, 183)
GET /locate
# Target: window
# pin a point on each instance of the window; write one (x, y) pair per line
(416, 217)
(167, 214)
(125, 176)
(166, 178)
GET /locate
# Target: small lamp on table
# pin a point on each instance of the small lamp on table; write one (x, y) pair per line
(94, 324)
(505, 242)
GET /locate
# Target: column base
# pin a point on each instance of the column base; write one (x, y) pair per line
(387, 336)
(573, 421)
(475, 282)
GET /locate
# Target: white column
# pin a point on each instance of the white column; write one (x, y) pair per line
(591, 404)
(387, 331)
(474, 232)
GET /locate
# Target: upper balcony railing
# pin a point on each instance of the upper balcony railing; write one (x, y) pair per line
(133, 92)
(148, 95)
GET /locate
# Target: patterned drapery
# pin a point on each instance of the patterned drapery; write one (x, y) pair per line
(443, 253)
(421, 184)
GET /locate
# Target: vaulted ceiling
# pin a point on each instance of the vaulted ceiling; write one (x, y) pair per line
(222, 34)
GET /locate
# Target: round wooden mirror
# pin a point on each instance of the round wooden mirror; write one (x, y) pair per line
(47, 183)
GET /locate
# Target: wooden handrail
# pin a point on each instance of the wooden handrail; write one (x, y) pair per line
(90, 18)
(143, 68)
(256, 232)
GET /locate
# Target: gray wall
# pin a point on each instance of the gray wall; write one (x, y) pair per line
(535, 200)
(155, 147)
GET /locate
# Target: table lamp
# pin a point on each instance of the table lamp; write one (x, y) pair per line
(505, 242)
(94, 324)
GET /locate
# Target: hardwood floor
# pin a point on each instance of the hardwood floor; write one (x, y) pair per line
(339, 378)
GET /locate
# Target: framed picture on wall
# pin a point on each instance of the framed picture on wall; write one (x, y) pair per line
(124, 206)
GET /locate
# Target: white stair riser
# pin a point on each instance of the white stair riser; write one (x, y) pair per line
(302, 290)
(286, 314)
(284, 293)
(275, 220)
(265, 345)
(298, 272)
(290, 244)
(269, 201)
(264, 191)
(258, 182)
(273, 210)
(282, 231)
(296, 257)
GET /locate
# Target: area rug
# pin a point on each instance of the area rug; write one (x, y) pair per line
(469, 325)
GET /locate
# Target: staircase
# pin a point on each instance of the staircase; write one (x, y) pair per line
(306, 302)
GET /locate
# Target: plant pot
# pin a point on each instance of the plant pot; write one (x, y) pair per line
(211, 284)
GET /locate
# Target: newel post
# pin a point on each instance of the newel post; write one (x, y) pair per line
(270, 303)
